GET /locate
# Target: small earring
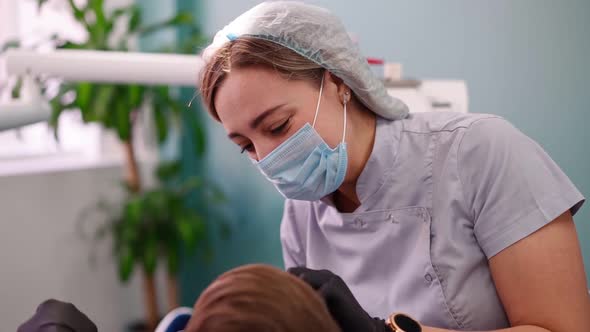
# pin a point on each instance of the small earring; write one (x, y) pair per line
(346, 97)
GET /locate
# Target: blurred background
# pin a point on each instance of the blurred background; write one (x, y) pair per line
(134, 162)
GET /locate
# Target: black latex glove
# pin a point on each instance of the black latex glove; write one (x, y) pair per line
(57, 316)
(345, 309)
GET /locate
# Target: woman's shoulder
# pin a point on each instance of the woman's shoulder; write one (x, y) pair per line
(434, 122)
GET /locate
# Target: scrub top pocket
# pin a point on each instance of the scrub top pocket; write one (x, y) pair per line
(412, 281)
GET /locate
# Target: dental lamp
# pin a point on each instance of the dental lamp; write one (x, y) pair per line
(88, 66)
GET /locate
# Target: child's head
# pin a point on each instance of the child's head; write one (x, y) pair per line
(260, 298)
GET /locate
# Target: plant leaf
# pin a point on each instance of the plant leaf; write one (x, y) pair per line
(57, 107)
(115, 16)
(133, 209)
(168, 170)
(134, 95)
(83, 93)
(198, 134)
(78, 13)
(17, 87)
(160, 121)
(98, 7)
(99, 28)
(175, 106)
(173, 261)
(117, 13)
(68, 45)
(9, 44)
(199, 227)
(40, 4)
(135, 19)
(128, 233)
(217, 195)
(56, 110)
(194, 43)
(208, 254)
(191, 184)
(192, 229)
(126, 263)
(180, 19)
(150, 256)
(103, 95)
(123, 116)
(185, 230)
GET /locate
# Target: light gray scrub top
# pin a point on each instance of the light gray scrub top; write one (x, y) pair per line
(440, 195)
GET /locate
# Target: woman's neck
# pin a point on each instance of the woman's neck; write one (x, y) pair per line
(360, 139)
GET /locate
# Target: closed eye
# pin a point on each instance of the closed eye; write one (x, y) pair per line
(281, 128)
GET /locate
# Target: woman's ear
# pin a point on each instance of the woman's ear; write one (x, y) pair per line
(343, 90)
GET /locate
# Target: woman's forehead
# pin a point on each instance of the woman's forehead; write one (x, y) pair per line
(248, 91)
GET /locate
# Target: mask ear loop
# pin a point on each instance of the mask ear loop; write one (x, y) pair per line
(344, 130)
(317, 108)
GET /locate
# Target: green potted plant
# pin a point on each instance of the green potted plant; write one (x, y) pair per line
(150, 224)
(154, 225)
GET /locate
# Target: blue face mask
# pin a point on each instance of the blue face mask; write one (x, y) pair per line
(304, 167)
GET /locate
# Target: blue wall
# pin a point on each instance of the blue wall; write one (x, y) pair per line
(254, 207)
(526, 60)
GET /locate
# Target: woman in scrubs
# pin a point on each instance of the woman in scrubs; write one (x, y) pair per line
(459, 221)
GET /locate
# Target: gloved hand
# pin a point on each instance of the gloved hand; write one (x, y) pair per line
(57, 316)
(345, 309)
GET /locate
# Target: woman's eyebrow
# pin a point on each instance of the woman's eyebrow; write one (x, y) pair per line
(258, 119)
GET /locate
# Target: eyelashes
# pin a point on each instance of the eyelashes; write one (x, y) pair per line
(247, 148)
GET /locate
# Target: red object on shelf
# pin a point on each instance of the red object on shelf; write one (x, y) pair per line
(375, 61)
